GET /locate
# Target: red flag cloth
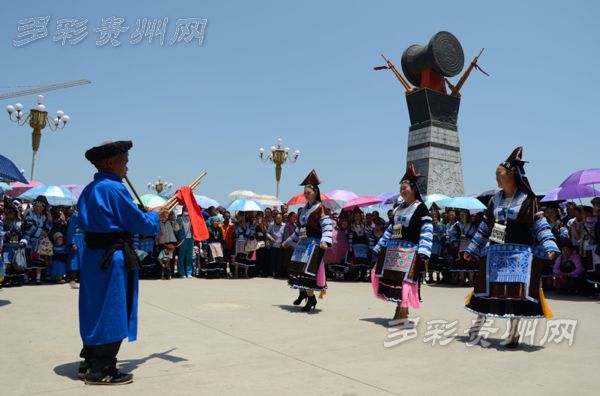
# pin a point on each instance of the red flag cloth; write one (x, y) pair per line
(186, 197)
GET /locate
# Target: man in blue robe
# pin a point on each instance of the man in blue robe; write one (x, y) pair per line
(109, 272)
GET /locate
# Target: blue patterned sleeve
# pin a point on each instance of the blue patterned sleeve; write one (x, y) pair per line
(480, 239)
(426, 238)
(326, 230)
(543, 233)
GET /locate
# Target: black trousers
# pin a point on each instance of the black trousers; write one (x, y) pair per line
(101, 357)
(263, 262)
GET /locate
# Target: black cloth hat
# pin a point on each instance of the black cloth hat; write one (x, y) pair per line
(311, 179)
(411, 174)
(412, 177)
(515, 163)
(108, 150)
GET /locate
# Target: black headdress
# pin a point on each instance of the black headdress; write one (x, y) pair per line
(515, 163)
(411, 177)
(312, 181)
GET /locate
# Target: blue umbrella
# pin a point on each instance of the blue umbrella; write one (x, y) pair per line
(433, 198)
(9, 171)
(243, 205)
(56, 196)
(468, 203)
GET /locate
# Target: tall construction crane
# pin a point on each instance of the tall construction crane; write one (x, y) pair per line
(44, 88)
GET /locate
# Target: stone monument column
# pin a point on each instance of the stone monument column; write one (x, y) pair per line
(433, 142)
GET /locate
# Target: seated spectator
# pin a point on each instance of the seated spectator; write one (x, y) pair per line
(568, 271)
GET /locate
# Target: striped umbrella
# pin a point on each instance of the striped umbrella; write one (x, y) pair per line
(56, 196)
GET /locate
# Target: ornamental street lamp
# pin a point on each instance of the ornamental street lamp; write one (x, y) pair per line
(160, 186)
(278, 155)
(38, 119)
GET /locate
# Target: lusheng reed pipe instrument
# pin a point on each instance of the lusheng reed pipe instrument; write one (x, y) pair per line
(173, 201)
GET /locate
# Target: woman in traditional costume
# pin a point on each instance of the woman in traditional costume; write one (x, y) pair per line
(462, 233)
(361, 243)
(510, 244)
(404, 249)
(306, 270)
(36, 227)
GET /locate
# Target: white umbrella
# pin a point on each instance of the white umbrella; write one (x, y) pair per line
(241, 194)
(268, 200)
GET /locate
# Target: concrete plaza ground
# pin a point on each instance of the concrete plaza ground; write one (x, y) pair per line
(243, 337)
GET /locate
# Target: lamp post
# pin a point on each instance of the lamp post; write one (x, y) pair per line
(38, 119)
(160, 186)
(278, 155)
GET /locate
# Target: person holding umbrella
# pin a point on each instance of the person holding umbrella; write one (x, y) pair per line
(306, 271)
(508, 284)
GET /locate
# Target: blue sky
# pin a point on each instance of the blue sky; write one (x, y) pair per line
(302, 71)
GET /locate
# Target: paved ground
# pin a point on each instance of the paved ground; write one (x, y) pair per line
(219, 337)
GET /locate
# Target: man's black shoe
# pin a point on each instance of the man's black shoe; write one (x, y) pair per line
(83, 369)
(113, 377)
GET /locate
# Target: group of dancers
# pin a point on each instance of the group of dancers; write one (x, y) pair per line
(508, 250)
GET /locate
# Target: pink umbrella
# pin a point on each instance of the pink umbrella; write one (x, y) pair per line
(19, 188)
(75, 189)
(300, 200)
(362, 201)
(342, 195)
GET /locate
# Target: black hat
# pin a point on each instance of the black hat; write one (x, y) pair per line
(515, 159)
(311, 180)
(108, 150)
(410, 174)
(411, 177)
(40, 199)
(515, 163)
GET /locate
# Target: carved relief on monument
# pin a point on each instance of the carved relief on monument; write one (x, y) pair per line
(445, 178)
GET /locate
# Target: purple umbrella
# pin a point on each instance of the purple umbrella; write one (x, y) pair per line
(389, 198)
(571, 191)
(342, 195)
(586, 176)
